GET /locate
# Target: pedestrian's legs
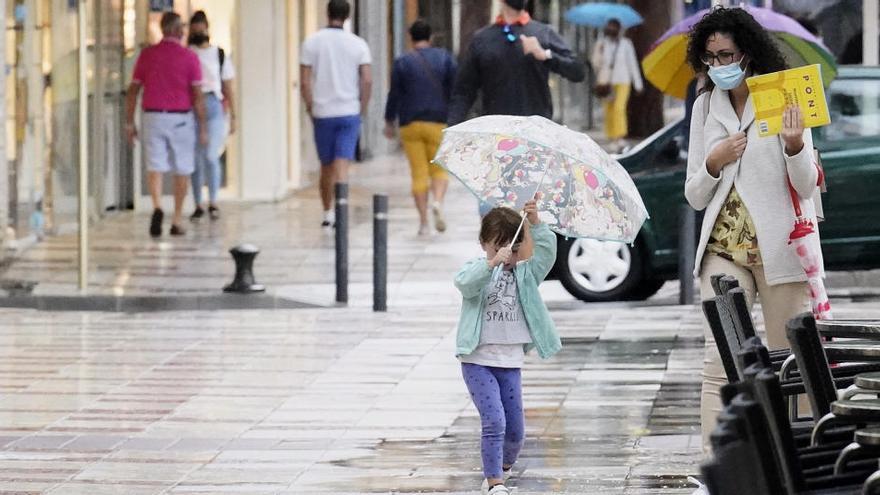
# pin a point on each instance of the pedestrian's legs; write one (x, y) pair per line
(780, 303)
(439, 177)
(510, 386)
(417, 155)
(181, 184)
(198, 175)
(325, 142)
(714, 376)
(485, 393)
(216, 140)
(154, 180)
(616, 125)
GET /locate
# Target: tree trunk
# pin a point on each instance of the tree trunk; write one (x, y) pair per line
(645, 112)
(474, 15)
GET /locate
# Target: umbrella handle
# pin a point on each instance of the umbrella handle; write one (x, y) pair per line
(496, 272)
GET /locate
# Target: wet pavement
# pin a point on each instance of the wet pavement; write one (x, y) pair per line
(337, 401)
(326, 399)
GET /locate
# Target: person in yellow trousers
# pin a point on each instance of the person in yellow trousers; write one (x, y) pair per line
(614, 59)
(421, 84)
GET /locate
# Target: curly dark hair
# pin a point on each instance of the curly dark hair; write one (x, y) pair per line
(749, 36)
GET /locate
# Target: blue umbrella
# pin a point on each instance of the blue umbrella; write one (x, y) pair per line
(598, 14)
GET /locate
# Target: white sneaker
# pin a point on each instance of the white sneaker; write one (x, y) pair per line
(701, 490)
(424, 230)
(439, 221)
(499, 490)
(505, 475)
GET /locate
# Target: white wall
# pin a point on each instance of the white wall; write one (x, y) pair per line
(4, 187)
(263, 118)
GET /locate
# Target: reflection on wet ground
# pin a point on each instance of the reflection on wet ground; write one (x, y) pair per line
(335, 401)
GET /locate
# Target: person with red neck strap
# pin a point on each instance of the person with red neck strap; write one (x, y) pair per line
(508, 65)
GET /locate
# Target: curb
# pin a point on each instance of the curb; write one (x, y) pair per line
(149, 304)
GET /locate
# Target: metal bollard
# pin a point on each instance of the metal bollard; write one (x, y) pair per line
(244, 283)
(687, 251)
(341, 242)
(380, 252)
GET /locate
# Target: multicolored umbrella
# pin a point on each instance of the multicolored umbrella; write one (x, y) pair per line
(581, 190)
(597, 14)
(666, 65)
(805, 241)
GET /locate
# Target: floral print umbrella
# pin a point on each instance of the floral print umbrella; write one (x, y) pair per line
(581, 191)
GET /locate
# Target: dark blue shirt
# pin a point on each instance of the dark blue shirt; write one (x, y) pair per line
(416, 94)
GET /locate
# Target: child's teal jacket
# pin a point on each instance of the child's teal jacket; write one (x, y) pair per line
(472, 279)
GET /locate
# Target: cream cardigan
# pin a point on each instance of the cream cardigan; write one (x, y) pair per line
(760, 178)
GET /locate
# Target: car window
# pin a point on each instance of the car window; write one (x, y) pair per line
(854, 105)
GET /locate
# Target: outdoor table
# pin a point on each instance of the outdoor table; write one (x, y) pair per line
(852, 328)
(868, 381)
(867, 351)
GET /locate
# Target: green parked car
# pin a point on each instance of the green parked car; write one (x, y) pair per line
(850, 147)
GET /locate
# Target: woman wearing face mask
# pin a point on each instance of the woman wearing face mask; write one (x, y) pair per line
(741, 180)
(217, 76)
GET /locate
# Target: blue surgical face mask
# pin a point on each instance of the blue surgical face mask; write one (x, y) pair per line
(729, 76)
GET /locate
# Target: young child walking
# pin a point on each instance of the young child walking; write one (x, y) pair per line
(502, 318)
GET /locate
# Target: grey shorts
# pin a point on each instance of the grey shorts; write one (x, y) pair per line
(169, 141)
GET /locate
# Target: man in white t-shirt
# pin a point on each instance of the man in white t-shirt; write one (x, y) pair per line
(217, 76)
(336, 81)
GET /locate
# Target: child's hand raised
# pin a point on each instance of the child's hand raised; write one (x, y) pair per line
(531, 210)
(501, 257)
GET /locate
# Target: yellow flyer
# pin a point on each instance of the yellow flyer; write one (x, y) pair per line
(771, 93)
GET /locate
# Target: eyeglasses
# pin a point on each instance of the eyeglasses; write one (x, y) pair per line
(509, 33)
(723, 58)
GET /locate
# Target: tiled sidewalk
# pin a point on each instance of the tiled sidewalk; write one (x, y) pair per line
(331, 401)
(337, 401)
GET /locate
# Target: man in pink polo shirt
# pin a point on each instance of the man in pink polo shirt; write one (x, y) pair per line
(171, 77)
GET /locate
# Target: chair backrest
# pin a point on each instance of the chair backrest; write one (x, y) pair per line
(760, 440)
(715, 280)
(727, 283)
(740, 313)
(710, 310)
(737, 465)
(732, 335)
(768, 393)
(806, 345)
(753, 352)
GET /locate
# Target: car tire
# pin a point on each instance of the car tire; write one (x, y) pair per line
(603, 271)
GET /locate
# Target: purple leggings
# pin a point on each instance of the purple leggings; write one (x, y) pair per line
(497, 393)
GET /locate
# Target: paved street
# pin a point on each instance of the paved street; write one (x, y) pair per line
(325, 399)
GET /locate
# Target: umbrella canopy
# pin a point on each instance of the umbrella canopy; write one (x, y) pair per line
(666, 65)
(582, 191)
(598, 14)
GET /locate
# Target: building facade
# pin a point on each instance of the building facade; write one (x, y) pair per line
(270, 155)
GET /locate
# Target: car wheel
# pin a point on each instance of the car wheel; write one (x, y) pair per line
(598, 271)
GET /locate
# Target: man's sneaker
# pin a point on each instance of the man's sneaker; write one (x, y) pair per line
(177, 231)
(329, 219)
(156, 223)
(439, 221)
(499, 490)
(197, 215)
(214, 213)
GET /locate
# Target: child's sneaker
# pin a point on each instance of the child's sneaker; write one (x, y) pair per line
(505, 475)
(499, 490)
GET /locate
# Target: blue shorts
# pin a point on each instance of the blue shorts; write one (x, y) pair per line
(337, 137)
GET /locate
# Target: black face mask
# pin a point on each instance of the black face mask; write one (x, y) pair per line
(516, 4)
(198, 38)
